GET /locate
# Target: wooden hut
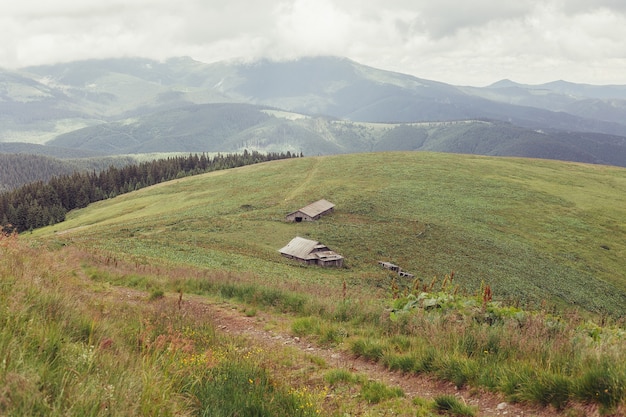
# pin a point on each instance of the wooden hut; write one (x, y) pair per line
(311, 252)
(311, 212)
(395, 268)
(389, 265)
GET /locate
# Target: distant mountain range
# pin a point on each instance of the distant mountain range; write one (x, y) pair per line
(317, 105)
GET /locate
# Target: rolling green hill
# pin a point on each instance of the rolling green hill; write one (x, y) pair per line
(536, 231)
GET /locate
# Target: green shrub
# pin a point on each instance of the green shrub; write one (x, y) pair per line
(512, 379)
(293, 303)
(426, 361)
(156, 294)
(305, 326)
(269, 297)
(332, 334)
(237, 388)
(492, 376)
(345, 311)
(367, 348)
(603, 384)
(401, 342)
(135, 281)
(547, 388)
(469, 345)
(458, 370)
(451, 405)
(399, 362)
(199, 286)
(240, 292)
(337, 376)
(375, 392)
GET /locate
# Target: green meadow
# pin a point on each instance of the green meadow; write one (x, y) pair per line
(519, 289)
(536, 231)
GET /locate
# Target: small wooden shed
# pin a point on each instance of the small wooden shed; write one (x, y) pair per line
(389, 265)
(395, 268)
(311, 252)
(311, 212)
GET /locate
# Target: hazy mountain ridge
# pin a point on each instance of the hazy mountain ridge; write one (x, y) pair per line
(136, 105)
(234, 127)
(600, 102)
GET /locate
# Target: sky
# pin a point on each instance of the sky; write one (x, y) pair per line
(460, 42)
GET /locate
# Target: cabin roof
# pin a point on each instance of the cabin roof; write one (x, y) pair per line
(316, 208)
(302, 248)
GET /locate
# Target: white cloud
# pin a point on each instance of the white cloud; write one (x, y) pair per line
(313, 27)
(455, 41)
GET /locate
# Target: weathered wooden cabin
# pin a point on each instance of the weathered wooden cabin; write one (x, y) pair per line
(311, 252)
(311, 212)
(389, 265)
(395, 268)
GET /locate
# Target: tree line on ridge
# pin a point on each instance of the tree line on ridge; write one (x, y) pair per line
(40, 203)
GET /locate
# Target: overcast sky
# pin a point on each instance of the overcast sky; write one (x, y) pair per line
(463, 42)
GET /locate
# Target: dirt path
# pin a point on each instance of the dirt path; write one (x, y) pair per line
(229, 319)
(309, 177)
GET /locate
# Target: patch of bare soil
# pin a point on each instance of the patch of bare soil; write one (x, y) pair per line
(270, 331)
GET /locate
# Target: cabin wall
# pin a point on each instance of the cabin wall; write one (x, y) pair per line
(299, 216)
(334, 263)
(320, 262)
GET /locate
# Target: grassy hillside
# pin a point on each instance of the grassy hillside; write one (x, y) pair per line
(535, 231)
(524, 238)
(74, 347)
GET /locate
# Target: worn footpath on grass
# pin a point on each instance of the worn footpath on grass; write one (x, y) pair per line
(270, 331)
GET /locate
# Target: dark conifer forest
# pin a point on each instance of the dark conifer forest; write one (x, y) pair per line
(40, 203)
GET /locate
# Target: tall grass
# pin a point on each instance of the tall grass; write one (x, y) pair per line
(544, 235)
(535, 357)
(452, 406)
(67, 349)
(239, 388)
